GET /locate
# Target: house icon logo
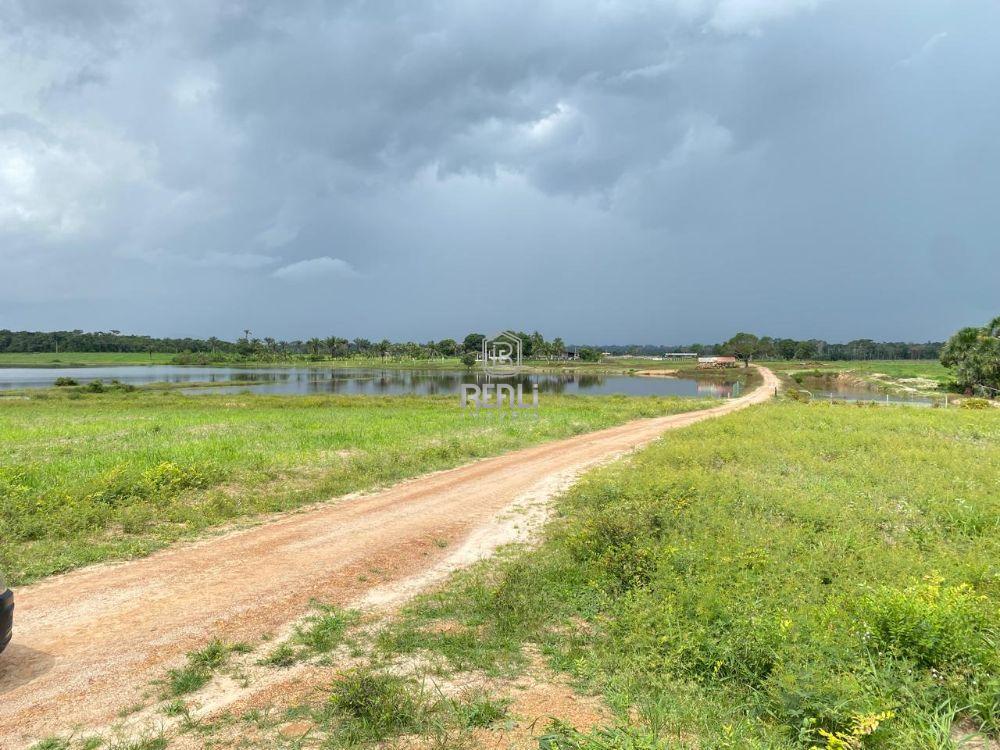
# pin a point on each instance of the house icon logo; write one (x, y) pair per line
(501, 354)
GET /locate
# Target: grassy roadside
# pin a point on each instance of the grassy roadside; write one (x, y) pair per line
(765, 580)
(86, 477)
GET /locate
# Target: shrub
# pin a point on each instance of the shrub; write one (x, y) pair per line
(975, 403)
(95, 386)
(167, 478)
(933, 624)
(64, 381)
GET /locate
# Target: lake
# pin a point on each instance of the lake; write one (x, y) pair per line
(366, 381)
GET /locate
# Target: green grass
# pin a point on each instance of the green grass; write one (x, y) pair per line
(367, 706)
(82, 359)
(200, 667)
(86, 477)
(323, 630)
(320, 633)
(793, 576)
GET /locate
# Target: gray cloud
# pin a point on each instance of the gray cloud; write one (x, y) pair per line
(658, 171)
(316, 269)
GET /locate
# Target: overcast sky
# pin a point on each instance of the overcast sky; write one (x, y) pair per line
(624, 172)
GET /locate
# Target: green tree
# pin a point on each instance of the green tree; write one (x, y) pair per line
(767, 348)
(805, 350)
(973, 354)
(589, 354)
(558, 347)
(743, 346)
(447, 347)
(473, 342)
(469, 359)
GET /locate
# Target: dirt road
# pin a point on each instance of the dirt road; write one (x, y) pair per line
(88, 644)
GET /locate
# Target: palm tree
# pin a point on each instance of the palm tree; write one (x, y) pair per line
(331, 343)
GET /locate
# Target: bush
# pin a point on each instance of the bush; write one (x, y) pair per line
(95, 386)
(975, 403)
(933, 624)
(64, 381)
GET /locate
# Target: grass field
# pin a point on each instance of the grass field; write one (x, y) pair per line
(931, 369)
(86, 477)
(766, 580)
(82, 359)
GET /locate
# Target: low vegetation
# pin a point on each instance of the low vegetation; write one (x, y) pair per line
(93, 474)
(766, 580)
(81, 359)
(200, 667)
(929, 369)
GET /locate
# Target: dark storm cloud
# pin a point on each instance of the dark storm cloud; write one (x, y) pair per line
(416, 170)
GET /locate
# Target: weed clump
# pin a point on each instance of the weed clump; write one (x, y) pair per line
(198, 670)
(324, 630)
(372, 706)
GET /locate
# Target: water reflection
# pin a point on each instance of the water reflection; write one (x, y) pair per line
(831, 388)
(364, 381)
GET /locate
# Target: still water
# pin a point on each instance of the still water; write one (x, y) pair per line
(830, 388)
(312, 380)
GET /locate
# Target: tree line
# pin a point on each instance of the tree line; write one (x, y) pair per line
(535, 346)
(23, 342)
(266, 348)
(767, 347)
